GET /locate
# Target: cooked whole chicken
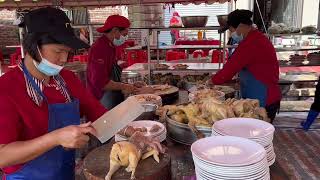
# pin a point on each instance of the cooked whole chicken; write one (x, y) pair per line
(124, 154)
(128, 154)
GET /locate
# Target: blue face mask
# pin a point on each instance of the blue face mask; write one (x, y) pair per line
(119, 42)
(47, 67)
(236, 37)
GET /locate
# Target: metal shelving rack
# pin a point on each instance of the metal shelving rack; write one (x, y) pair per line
(303, 48)
(157, 30)
(296, 50)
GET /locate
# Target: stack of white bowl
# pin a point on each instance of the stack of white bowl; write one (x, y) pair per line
(229, 157)
(160, 135)
(253, 129)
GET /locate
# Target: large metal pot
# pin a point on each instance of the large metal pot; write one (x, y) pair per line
(181, 133)
(222, 20)
(130, 77)
(194, 21)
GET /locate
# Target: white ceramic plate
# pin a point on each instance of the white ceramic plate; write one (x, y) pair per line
(228, 150)
(263, 174)
(244, 127)
(235, 177)
(148, 125)
(148, 99)
(239, 170)
(162, 137)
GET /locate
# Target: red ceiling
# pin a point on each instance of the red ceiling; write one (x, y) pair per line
(10, 4)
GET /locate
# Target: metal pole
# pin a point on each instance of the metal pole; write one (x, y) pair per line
(149, 56)
(264, 25)
(224, 47)
(21, 41)
(158, 53)
(90, 34)
(220, 57)
(318, 25)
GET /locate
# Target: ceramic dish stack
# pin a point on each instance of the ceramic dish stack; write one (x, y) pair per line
(229, 158)
(161, 134)
(252, 129)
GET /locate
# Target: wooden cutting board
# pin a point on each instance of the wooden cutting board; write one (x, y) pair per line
(96, 166)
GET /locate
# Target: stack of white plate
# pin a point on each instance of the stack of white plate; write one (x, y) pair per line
(253, 129)
(229, 157)
(161, 134)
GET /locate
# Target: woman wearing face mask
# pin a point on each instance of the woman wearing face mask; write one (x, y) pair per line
(103, 73)
(41, 103)
(256, 62)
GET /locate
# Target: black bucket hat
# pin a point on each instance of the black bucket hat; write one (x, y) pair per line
(54, 22)
(236, 17)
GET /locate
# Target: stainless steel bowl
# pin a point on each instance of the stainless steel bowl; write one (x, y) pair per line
(181, 133)
(130, 77)
(222, 20)
(150, 107)
(149, 112)
(194, 21)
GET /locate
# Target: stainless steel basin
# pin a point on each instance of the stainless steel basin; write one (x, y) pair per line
(194, 21)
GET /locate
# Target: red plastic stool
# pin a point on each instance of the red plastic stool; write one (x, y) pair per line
(216, 56)
(132, 57)
(175, 55)
(198, 53)
(142, 56)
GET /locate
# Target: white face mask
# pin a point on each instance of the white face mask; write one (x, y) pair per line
(46, 67)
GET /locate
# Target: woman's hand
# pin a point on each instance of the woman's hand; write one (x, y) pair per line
(139, 84)
(145, 90)
(129, 89)
(74, 136)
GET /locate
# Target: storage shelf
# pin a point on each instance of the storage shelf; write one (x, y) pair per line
(290, 82)
(293, 34)
(302, 65)
(183, 28)
(292, 111)
(291, 96)
(186, 47)
(305, 48)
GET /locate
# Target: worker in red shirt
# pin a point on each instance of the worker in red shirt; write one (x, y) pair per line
(256, 62)
(41, 103)
(103, 72)
(175, 21)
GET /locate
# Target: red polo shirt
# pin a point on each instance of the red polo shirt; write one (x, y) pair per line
(102, 56)
(21, 119)
(257, 54)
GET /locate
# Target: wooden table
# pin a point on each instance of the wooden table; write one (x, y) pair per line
(181, 162)
(181, 157)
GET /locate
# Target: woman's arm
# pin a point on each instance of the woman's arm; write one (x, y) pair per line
(20, 152)
(23, 151)
(112, 85)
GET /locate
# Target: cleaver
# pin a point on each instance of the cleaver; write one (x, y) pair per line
(117, 118)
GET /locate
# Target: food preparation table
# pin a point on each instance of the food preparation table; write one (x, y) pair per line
(95, 164)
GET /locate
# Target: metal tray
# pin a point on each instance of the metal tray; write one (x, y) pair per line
(181, 133)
